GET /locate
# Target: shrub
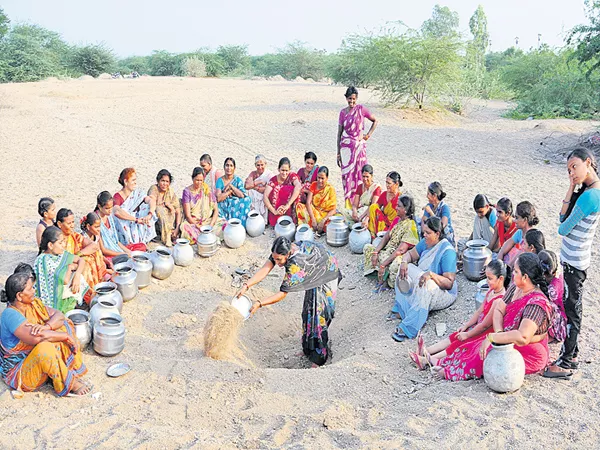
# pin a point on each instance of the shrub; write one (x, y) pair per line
(93, 59)
(194, 67)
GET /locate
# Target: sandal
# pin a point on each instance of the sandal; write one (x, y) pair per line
(420, 345)
(398, 334)
(392, 316)
(557, 375)
(417, 360)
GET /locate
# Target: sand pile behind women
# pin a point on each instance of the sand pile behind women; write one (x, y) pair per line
(221, 333)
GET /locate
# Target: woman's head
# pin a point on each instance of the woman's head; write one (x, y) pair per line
(504, 209)
(549, 263)
(534, 240)
(280, 250)
(65, 220)
(580, 163)
(104, 203)
(260, 162)
(18, 287)
(482, 206)
(26, 268)
(310, 159)
(351, 96)
(528, 273)
(406, 207)
(197, 177)
(433, 231)
(497, 274)
(229, 166)
(367, 174)
(322, 176)
(526, 216)
(128, 178)
(47, 208)
(393, 182)
(90, 224)
(164, 180)
(284, 167)
(435, 193)
(53, 241)
(206, 163)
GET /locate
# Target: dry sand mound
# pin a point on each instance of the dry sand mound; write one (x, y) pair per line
(85, 78)
(299, 80)
(105, 76)
(276, 78)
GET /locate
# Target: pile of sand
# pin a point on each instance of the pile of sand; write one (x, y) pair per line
(85, 78)
(299, 80)
(105, 76)
(276, 78)
(221, 332)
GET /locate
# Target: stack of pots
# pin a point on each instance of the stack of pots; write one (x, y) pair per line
(337, 232)
(107, 291)
(108, 327)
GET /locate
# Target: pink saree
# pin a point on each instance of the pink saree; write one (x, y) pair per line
(353, 150)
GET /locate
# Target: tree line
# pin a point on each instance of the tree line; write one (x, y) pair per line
(434, 64)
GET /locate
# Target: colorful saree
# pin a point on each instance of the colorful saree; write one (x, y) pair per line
(365, 198)
(234, 207)
(110, 239)
(404, 231)
(51, 272)
(165, 218)
(313, 269)
(382, 213)
(323, 202)
(465, 363)
(307, 181)
(280, 195)
(25, 367)
(95, 267)
(128, 231)
(202, 207)
(258, 198)
(556, 290)
(353, 149)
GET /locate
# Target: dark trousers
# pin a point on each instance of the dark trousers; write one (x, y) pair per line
(573, 300)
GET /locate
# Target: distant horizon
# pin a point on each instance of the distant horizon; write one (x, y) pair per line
(264, 28)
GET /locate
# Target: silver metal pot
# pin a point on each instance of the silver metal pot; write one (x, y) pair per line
(83, 328)
(183, 253)
(109, 336)
(337, 232)
(162, 263)
(304, 233)
(106, 307)
(125, 279)
(482, 288)
(475, 258)
(207, 243)
(107, 290)
(285, 227)
(142, 264)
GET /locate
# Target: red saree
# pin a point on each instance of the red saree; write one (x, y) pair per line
(280, 194)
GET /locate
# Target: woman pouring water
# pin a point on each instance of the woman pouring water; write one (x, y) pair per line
(311, 268)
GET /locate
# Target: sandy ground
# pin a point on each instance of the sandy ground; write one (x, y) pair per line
(70, 139)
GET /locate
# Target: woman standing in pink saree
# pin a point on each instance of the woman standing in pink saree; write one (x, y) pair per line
(352, 144)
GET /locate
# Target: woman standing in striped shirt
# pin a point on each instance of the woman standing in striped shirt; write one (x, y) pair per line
(579, 218)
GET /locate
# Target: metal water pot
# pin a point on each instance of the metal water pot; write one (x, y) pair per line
(255, 224)
(337, 232)
(83, 328)
(109, 336)
(107, 290)
(234, 233)
(285, 227)
(482, 289)
(125, 279)
(142, 264)
(106, 307)
(503, 368)
(163, 263)
(475, 258)
(207, 243)
(359, 237)
(183, 253)
(304, 233)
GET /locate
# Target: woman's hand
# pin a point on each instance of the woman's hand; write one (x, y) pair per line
(37, 328)
(462, 328)
(484, 348)
(365, 222)
(320, 226)
(403, 270)
(69, 340)
(374, 259)
(282, 209)
(339, 159)
(428, 210)
(255, 307)
(242, 291)
(425, 278)
(355, 215)
(75, 284)
(462, 336)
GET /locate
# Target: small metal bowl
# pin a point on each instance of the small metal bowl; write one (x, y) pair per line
(117, 370)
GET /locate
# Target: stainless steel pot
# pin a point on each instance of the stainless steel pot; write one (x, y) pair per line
(207, 243)
(142, 264)
(83, 328)
(183, 253)
(285, 227)
(337, 232)
(109, 336)
(106, 307)
(162, 263)
(107, 290)
(125, 279)
(475, 258)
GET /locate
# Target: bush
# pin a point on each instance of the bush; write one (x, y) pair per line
(162, 64)
(139, 64)
(194, 67)
(93, 60)
(234, 59)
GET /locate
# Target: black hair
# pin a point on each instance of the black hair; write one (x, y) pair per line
(324, 169)
(549, 263)
(88, 220)
(206, 158)
(50, 235)
(535, 238)
(197, 171)
(15, 284)
(367, 168)
(310, 155)
(103, 198)
(229, 159)
(62, 214)
(527, 211)
(435, 188)
(162, 173)
(44, 205)
(281, 246)
(505, 205)
(351, 91)
(125, 175)
(409, 205)
(529, 264)
(26, 268)
(435, 224)
(583, 154)
(283, 161)
(500, 269)
(395, 177)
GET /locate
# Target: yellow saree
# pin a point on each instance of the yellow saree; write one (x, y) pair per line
(323, 202)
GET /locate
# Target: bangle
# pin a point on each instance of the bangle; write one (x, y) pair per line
(247, 286)
(259, 303)
(376, 253)
(489, 338)
(566, 202)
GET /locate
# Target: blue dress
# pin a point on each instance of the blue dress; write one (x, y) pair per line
(234, 207)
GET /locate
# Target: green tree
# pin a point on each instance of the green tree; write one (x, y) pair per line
(443, 23)
(586, 38)
(235, 58)
(137, 64)
(93, 59)
(162, 63)
(4, 24)
(299, 60)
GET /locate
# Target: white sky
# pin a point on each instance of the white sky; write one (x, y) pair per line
(134, 27)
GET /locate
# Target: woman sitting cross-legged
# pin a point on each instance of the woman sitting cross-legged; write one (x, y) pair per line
(505, 224)
(60, 283)
(433, 280)
(387, 256)
(438, 208)
(134, 212)
(256, 184)
(498, 278)
(231, 194)
(321, 203)
(100, 265)
(308, 174)
(199, 208)
(521, 318)
(282, 192)
(168, 209)
(37, 342)
(525, 219)
(383, 213)
(484, 222)
(366, 195)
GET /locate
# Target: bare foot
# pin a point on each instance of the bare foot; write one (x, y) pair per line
(438, 373)
(79, 389)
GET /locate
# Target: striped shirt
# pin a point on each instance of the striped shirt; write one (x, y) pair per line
(578, 230)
